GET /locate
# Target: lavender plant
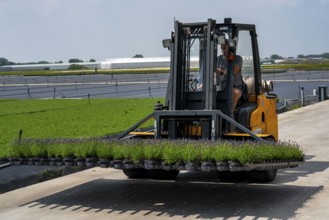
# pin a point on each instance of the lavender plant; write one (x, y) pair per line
(12, 151)
(22, 150)
(137, 150)
(104, 150)
(190, 152)
(85, 149)
(247, 153)
(38, 150)
(169, 151)
(67, 150)
(207, 150)
(222, 151)
(117, 150)
(172, 152)
(153, 150)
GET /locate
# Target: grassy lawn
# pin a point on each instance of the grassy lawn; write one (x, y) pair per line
(69, 118)
(323, 66)
(299, 66)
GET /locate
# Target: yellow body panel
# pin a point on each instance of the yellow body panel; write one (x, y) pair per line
(142, 133)
(245, 135)
(263, 119)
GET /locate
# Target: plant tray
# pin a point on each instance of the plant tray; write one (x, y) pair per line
(191, 166)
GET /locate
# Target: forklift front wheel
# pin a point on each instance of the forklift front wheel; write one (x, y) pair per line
(262, 176)
(229, 176)
(163, 174)
(137, 173)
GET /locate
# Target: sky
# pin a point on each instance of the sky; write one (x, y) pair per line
(57, 30)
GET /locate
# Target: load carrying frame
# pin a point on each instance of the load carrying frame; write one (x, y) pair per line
(208, 118)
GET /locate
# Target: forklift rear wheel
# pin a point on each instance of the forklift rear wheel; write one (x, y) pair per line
(136, 173)
(163, 174)
(228, 176)
(262, 176)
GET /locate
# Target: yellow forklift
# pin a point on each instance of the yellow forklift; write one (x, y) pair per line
(199, 103)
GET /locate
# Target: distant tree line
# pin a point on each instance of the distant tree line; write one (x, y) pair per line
(324, 55)
(5, 62)
(77, 67)
(75, 60)
(276, 57)
(309, 56)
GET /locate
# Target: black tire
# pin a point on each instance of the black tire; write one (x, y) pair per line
(232, 177)
(163, 174)
(262, 176)
(137, 173)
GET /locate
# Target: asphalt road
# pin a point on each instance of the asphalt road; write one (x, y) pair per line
(82, 86)
(286, 85)
(298, 193)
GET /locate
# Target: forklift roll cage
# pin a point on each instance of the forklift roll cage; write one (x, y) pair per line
(207, 106)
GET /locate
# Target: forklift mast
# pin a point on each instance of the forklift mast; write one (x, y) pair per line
(180, 92)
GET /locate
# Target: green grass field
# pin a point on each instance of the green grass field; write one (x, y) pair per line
(299, 66)
(69, 118)
(323, 66)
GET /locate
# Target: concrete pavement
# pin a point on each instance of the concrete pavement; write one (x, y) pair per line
(309, 127)
(298, 193)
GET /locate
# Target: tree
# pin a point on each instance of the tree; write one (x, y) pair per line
(92, 60)
(75, 60)
(3, 61)
(43, 62)
(276, 57)
(325, 55)
(77, 67)
(11, 63)
(138, 56)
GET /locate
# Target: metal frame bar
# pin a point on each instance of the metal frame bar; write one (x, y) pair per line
(215, 116)
(123, 134)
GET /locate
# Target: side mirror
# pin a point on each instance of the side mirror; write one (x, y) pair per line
(267, 86)
(166, 43)
(233, 42)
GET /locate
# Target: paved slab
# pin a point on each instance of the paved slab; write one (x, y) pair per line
(13, 177)
(299, 193)
(309, 126)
